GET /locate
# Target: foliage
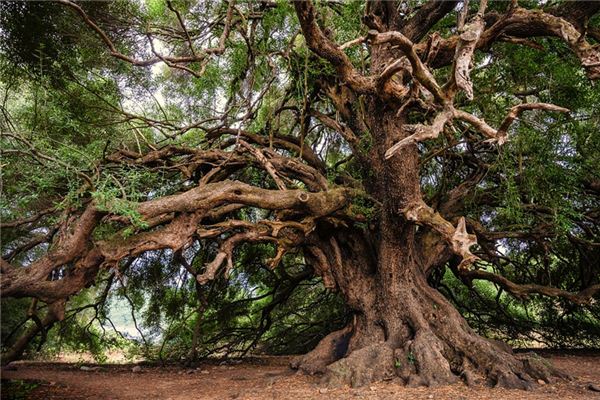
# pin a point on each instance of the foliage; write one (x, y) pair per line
(538, 321)
(68, 106)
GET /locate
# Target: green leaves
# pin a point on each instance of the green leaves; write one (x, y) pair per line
(81, 112)
(106, 199)
(156, 9)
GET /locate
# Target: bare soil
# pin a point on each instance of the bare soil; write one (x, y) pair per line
(264, 379)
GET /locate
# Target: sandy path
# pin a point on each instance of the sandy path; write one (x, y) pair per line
(251, 381)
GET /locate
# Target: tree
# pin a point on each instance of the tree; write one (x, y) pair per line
(429, 139)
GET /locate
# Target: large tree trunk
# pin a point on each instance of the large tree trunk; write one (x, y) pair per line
(402, 327)
(405, 329)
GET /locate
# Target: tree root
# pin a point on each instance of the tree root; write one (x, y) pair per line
(330, 349)
(503, 369)
(421, 362)
(370, 364)
(541, 369)
(426, 360)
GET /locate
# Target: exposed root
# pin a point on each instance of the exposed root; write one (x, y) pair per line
(502, 346)
(330, 349)
(426, 360)
(541, 369)
(503, 369)
(422, 363)
(369, 364)
(506, 378)
(423, 340)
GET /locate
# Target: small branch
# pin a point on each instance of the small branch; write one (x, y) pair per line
(331, 123)
(326, 49)
(352, 43)
(478, 124)
(171, 61)
(264, 161)
(500, 136)
(462, 16)
(35, 153)
(266, 230)
(521, 41)
(182, 24)
(33, 218)
(517, 110)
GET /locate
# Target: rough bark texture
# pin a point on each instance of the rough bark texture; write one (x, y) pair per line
(404, 328)
(55, 313)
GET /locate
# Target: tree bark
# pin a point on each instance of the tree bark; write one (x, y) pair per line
(56, 312)
(403, 328)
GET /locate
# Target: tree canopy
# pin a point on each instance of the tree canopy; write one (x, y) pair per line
(255, 175)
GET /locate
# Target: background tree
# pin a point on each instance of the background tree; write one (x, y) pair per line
(382, 146)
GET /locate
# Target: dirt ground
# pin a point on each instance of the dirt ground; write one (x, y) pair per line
(270, 379)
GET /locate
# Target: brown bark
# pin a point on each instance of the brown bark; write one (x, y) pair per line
(403, 328)
(55, 313)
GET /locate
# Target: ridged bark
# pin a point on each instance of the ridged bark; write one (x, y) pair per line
(405, 329)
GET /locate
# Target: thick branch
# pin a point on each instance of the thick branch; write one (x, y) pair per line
(325, 48)
(422, 132)
(214, 194)
(465, 49)
(56, 312)
(523, 23)
(419, 70)
(458, 238)
(521, 291)
(425, 18)
(74, 243)
(283, 233)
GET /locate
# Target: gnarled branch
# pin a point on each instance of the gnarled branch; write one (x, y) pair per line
(584, 296)
(457, 237)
